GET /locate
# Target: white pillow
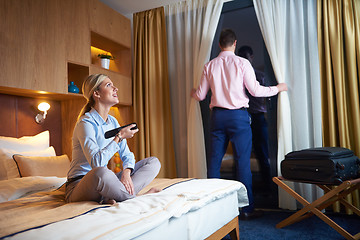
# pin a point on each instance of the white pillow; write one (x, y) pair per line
(8, 167)
(38, 142)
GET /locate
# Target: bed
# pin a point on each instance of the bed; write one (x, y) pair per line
(32, 203)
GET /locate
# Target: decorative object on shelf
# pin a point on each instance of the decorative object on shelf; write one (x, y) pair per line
(105, 59)
(72, 88)
(43, 107)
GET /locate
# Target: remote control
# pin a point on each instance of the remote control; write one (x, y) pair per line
(112, 133)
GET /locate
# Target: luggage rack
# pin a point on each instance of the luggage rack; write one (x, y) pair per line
(331, 195)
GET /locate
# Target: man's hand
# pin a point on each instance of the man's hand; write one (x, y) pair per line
(127, 181)
(192, 94)
(282, 87)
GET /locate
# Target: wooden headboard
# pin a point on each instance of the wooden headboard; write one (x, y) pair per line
(17, 119)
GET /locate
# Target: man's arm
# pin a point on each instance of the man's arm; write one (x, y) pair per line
(200, 93)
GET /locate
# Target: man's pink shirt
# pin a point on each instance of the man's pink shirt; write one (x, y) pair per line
(227, 75)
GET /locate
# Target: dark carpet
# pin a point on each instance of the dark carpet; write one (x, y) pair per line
(311, 228)
(264, 228)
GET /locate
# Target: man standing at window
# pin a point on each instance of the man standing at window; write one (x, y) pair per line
(257, 110)
(228, 76)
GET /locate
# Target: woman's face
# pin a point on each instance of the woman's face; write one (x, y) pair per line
(107, 93)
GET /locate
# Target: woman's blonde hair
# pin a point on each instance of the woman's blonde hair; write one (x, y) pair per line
(90, 85)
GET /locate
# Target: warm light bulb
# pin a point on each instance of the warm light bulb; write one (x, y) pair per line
(44, 106)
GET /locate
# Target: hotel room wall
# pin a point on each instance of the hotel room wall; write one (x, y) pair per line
(40, 37)
(41, 61)
(17, 118)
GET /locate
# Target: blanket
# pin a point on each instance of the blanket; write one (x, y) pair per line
(45, 215)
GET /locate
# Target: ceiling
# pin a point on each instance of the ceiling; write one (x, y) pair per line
(128, 7)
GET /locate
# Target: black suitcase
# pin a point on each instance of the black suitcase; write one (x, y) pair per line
(329, 165)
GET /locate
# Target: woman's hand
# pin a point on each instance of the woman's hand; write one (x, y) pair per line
(127, 181)
(127, 132)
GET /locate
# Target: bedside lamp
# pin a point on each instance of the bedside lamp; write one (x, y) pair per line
(40, 117)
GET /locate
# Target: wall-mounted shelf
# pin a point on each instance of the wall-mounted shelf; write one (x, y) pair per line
(120, 68)
(39, 94)
(77, 73)
(122, 54)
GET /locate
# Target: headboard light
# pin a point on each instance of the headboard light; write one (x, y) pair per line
(44, 107)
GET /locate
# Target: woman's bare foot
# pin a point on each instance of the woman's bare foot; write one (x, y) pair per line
(153, 190)
(109, 201)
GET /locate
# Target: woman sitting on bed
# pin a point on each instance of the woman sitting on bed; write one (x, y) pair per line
(89, 179)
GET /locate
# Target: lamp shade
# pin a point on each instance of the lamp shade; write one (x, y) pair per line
(44, 106)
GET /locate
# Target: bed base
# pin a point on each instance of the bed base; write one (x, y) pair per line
(231, 228)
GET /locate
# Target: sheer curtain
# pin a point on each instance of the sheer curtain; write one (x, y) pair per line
(191, 27)
(289, 29)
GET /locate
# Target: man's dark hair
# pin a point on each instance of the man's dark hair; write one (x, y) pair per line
(227, 38)
(244, 50)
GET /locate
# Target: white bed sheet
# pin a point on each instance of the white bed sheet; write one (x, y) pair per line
(20, 187)
(198, 224)
(131, 218)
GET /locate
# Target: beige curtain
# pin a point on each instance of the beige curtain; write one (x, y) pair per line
(339, 53)
(151, 90)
